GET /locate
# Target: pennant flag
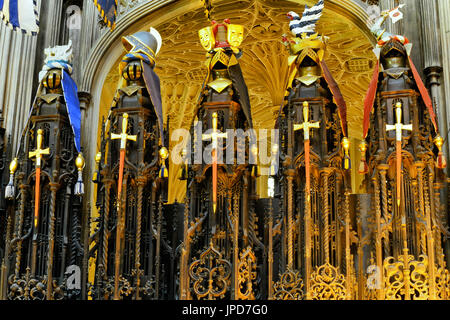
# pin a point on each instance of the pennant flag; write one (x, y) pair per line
(108, 11)
(73, 107)
(307, 23)
(20, 15)
(396, 15)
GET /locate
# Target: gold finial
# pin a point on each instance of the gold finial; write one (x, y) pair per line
(363, 146)
(163, 153)
(439, 142)
(79, 162)
(346, 143)
(440, 161)
(98, 157)
(13, 166)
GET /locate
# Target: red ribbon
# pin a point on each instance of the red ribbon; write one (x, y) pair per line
(338, 98)
(424, 93)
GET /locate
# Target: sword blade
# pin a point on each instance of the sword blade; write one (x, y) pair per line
(121, 165)
(399, 171)
(307, 171)
(36, 196)
(214, 178)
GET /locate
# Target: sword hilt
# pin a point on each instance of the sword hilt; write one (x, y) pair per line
(38, 152)
(306, 125)
(125, 123)
(398, 112)
(305, 111)
(123, 136)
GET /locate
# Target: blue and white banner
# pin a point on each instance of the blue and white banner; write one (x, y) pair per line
(20, 15)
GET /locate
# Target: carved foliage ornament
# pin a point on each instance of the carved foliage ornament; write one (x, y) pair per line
(210, 274)
(328, 284)
(247, 275)
(289, 287)
(406, 279)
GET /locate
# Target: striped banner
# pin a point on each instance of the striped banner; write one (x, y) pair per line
(307, 23)
(108, 11)
(20, 15)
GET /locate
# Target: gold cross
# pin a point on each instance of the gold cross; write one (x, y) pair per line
(399, 127)
(215, 134)
(39, 152)
(123, 136)
(306, 125)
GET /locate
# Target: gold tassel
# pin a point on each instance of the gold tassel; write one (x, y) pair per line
(96, 178)
(363, 166)
(347, 161)
(441, 163)
(10, 190)
(163, 154)
(183, 171)
(79, 186)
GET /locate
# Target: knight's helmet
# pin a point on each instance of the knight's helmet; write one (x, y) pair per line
(47, 248)
(313, 180)
(394, 55)
(224, 78)
(143, 44)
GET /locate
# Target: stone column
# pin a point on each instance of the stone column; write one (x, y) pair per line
(17, 56)
(50, 27)
(90, 30)
(49, 33)
(443, 14)
(85, 100)
(431, 48)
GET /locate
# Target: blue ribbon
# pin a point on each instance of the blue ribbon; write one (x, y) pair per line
(73, 107)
